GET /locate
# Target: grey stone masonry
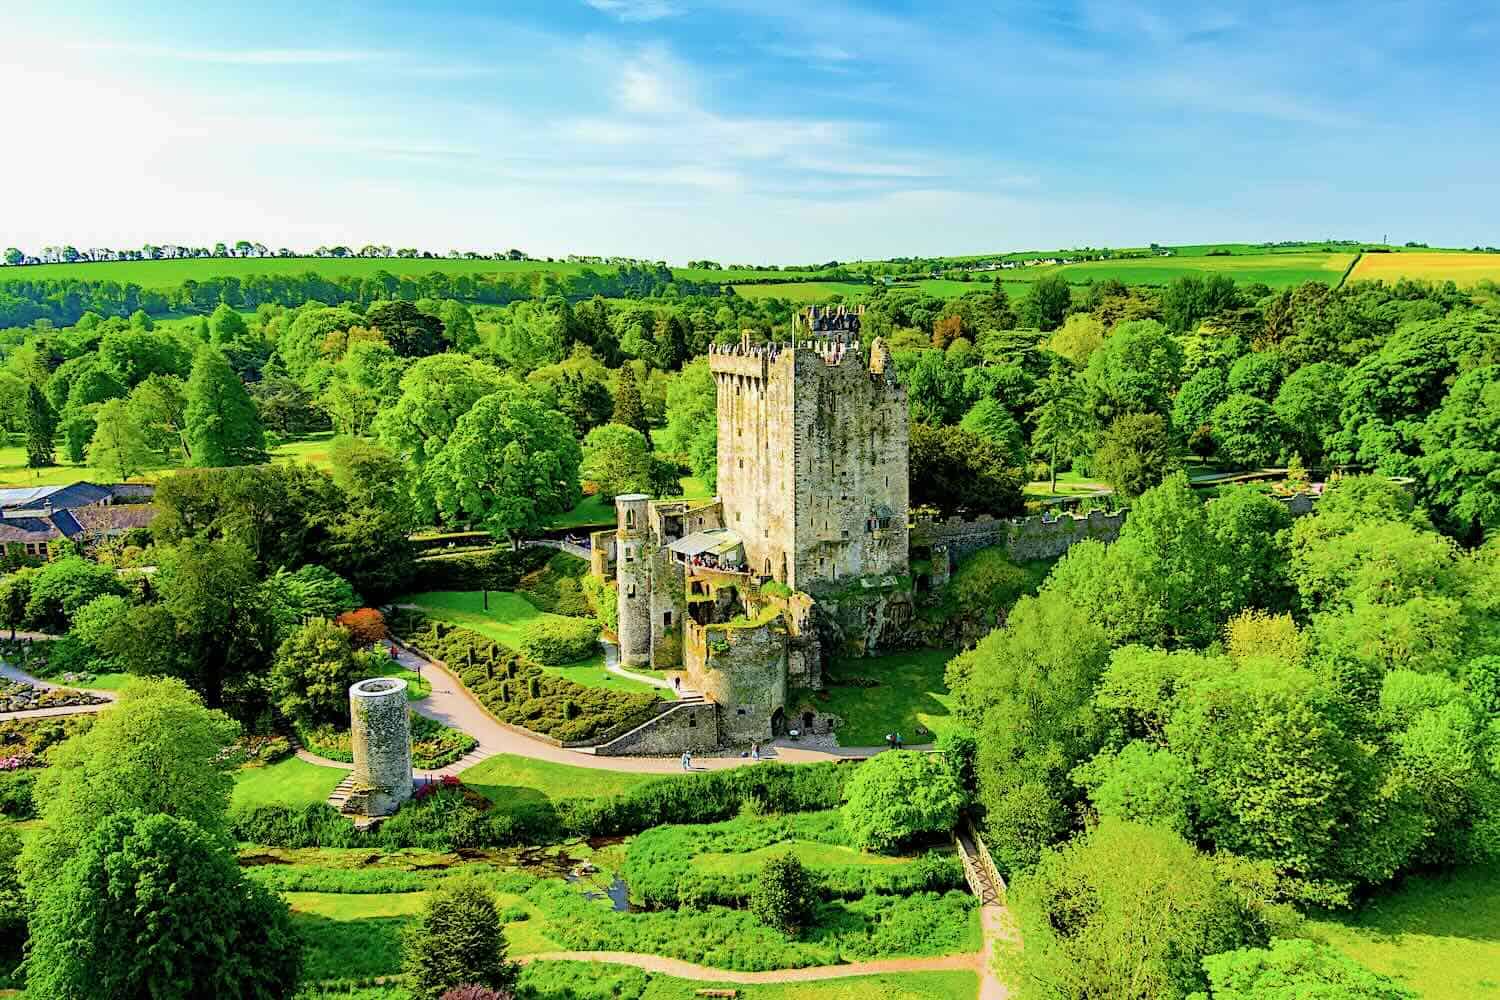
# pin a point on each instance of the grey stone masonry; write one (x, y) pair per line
(380, 732)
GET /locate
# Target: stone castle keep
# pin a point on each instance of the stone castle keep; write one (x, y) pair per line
(807, 545)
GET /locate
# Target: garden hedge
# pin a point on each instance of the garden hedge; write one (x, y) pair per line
(518, 691)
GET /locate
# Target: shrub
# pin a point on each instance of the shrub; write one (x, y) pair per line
(312, 673)
(604, 600)
(1295, 968)
(497, 569)
(456, 940)
(901, 795)
(61, 587)
(558, 586)
(15, 794)
(783, 895)
(555, 642)
(365, 626)
(472, 992)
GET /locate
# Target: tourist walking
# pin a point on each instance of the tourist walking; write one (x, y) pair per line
(687, 760)
(755, 750)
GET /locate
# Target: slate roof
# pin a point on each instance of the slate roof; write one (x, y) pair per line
(78, 494)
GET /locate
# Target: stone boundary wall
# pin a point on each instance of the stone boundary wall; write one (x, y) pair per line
(1035, 537)
(1039, 536)
(683, 725)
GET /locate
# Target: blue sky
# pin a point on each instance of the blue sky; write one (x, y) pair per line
(749, 130)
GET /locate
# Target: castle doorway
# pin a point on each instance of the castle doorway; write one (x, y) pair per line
(778, 723)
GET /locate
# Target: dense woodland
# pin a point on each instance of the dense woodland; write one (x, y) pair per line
(1250, 716)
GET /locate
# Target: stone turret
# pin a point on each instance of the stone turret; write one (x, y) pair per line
(380, 735)
(633, 577)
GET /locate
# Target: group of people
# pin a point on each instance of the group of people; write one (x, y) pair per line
(893, 740)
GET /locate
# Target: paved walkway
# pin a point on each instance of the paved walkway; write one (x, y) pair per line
(451, 704)
(613, 665)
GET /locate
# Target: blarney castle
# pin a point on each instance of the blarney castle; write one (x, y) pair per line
(807, 550)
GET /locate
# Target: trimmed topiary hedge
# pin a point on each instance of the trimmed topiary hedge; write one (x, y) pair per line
(553, 643)
(497, 569)
(558, 586)
(518, 691)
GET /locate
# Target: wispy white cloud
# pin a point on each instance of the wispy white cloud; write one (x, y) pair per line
(240, 57)
(635, 10)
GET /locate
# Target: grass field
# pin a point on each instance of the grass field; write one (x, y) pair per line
(810, 292)
(505, 621)
(503, 777)
(911, 693)
(1278, 270)
(289, 782)
(1463, 269)
(13, 471)
(1439, 935)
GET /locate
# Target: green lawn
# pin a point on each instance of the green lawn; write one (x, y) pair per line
(417, 687)
(566, 980)
(13, 470)
(1439, 935)
(506, 776)
(911, 692)
(290, 782)
(805, 292)
(809, 852)
(168, 273)
(505, 621)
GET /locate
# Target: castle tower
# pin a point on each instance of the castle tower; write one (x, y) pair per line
(813, 455)
(633, 576)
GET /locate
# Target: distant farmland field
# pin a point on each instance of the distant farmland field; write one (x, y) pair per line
(1463, 269)
(805, 291)
(1278, 270)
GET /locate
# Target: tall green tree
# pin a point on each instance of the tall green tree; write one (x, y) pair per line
(313, 670)
(152, 906)
(629, 410)
(1460, 460)
(1129, 912)
(617, 459)
(410, 332)
(119, 443)
(457, 939)
(1058, 417)
(1135, 453)
(1047, 303)
(692, 430)
(156, 750)
(223, 426)
(41, 428)
(510, 464)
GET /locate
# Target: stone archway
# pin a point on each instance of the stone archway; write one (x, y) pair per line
(778, 723)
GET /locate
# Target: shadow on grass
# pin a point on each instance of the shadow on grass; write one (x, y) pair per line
(349, 949)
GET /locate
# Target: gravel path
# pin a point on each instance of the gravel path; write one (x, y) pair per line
(689, 970)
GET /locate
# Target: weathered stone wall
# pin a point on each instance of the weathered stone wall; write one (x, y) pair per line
(668, 610)
(744, 671)
(851, 469)
(633, 577)
(691, 726)
(872, 615)
(812, 447)
(1035, 537)
(602, 553)
(804, 646)
(380, 732)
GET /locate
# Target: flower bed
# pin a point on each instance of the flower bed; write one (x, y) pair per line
(517, 691)
(433, 745)
(18, 696)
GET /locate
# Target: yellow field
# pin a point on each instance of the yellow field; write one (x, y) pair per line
(1463, 269)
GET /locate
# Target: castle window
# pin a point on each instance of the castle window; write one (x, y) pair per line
(740, 711)
(630, 590)
(666, 619)
(742, 463)
(629, 518)
(693, 720)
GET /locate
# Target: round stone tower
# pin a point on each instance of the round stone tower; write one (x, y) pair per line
(380, 731)
(633, 575)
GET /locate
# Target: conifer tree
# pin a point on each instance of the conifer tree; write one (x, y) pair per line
(41, 427)
(629, 410)
(223, 427)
